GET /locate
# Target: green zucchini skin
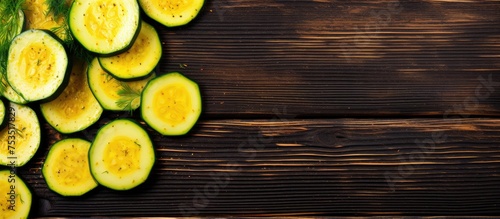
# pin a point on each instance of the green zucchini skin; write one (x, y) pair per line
(78, 27)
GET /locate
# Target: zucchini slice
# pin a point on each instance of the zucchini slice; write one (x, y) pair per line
(75, 108)
(122, 155)
(114, 94)
(20, 139)
(172, 13)
(140, 59)
(2, 114)
(66, 169)
(15, 196)
(37, 65)
(105, 26)
(39, 16)
(171, 104)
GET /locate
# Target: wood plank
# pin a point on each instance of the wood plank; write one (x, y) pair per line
(342, 167)
(341, 58)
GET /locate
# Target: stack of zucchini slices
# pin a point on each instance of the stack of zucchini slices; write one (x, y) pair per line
(69, 63)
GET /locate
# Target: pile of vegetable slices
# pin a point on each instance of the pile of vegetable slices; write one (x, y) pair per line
(67, 62)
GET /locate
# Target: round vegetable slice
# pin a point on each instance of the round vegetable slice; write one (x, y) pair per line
(122, 155)
(140, 59)
(75, 108)
(2, 113)
(171, 104)
(66, 168)
(20, 139)
(15, 196)
(39, 16)
(114, 94)
(172, 13)
(104, 26)
(37, 65)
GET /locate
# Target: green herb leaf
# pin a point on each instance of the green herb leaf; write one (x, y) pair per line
(127, 97)
(11, 21)
(58, 9)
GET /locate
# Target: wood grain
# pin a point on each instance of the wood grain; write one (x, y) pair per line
(341, 58)
(306, 167)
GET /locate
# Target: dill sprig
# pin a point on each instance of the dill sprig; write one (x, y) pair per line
(78, 51)
(127, 97)
(10, 19)
(11, 22)
(58, 8)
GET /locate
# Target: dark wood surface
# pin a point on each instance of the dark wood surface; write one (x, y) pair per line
(322, 108)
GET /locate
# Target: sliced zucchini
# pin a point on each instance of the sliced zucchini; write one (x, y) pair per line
(2, 114)
(122, 155)
(75, 108)
(20, 139)
(114, 94)
(171, 104)
(15, 196)
(172, 13)
(66, 168)
(37, 65)
(140, 59)
(40, 16)
(104, 27)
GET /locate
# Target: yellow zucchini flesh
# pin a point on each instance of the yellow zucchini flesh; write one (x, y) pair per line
(104, 26)
(122, 155)
(75, 108)
(66, 168)
(20, 139)
(37, 64)
(15, 196)
(140, 59)
(171, 104)
(38, 16)
(172, 13)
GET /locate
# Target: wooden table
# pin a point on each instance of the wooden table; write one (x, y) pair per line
(322, 108)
